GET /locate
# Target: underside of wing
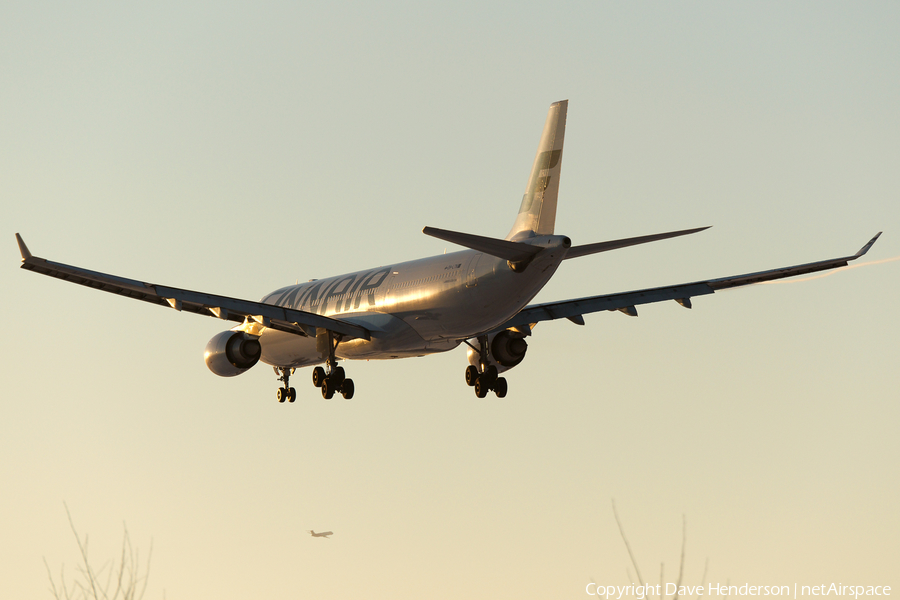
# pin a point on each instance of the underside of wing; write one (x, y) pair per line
(230, 309)
(627, 302)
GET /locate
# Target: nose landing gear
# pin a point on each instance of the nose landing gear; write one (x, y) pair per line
(287, 392)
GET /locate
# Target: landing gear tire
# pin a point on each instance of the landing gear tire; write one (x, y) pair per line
(334, 380)
(471, 375)
(318, 376)
(481, 387)
(500, 387)
(491, 372)
(285, 393)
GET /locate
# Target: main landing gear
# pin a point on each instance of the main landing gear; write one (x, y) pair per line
(487, 379)
(334, 381)
(287, 392)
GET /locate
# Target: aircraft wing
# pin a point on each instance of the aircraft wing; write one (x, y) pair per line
(628, 301)
(231, 309)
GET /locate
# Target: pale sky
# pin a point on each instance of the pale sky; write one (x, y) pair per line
(235, 148)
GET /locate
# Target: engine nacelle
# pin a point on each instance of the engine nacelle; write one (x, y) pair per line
(507, 349)
(231, 353)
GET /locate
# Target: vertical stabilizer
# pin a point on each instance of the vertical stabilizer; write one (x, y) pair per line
(538, 211)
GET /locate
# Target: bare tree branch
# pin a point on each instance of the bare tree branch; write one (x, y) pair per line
(130, 584)
(661, 590)
(83, 548)
(627, 545)
(662, 567)
(683, 544)
(703, 581)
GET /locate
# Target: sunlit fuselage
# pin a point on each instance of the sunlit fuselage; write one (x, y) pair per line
(413, 308)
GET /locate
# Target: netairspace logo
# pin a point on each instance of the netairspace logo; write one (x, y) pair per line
(642, 592)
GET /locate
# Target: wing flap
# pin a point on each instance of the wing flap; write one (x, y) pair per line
(233, 309)
(571, 309)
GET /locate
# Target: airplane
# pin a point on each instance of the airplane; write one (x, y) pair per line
(324, 534)
(478, 297)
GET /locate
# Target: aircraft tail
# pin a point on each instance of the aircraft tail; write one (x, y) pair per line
(537, 215)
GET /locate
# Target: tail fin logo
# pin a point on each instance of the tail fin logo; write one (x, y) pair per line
(540, 178)
(537, 213)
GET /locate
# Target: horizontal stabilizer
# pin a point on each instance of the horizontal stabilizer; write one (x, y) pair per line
(576, 251)
(512, 251)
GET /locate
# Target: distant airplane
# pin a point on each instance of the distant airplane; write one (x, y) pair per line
(324, 534)
(478, 297)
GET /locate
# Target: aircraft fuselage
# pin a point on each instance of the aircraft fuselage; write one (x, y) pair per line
(414, 308)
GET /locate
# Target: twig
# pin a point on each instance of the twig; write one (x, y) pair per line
(83, 549)
(683, 544)
(627, 545)
(662, 566)
(130, 584)
(703, 581)
(50, 577)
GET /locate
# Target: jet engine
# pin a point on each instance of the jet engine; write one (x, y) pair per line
(231, 353)
(507, 349)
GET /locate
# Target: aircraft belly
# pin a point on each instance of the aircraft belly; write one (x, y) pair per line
(392, 337)
(283, 349)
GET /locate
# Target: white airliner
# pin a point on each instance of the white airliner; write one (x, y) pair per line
(478, 297)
